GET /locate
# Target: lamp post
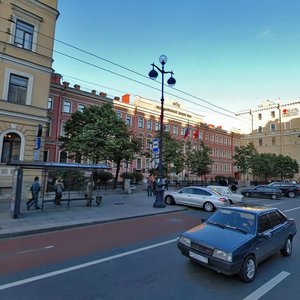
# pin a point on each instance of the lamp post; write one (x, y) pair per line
(159, 200)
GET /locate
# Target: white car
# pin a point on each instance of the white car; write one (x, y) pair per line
(226, 191)
(197, 196)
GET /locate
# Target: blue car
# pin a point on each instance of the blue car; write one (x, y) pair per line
(234, 240)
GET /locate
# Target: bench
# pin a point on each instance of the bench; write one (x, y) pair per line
(79, 198)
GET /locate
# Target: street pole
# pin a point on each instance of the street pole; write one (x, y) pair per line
(159, 199)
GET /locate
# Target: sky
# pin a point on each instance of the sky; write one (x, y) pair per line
(227, 55)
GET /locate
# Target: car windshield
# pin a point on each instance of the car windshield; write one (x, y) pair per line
(235, 220)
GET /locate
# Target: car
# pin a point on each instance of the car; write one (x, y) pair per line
(262, 191)
(234, 240)
(289, 189)
(196, 196)
(226, 191)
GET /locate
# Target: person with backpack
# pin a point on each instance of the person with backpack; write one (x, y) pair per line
(58, 188)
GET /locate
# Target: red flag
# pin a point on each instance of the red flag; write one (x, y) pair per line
(187, 132)
(196, 134)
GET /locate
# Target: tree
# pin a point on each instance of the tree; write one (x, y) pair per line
(98, 134)
(243, 158)
(198, 159)
(263, 165)
(285, 167)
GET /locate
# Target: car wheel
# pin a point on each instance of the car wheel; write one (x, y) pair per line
(274, 197)
(248, 270)
(288, 247)
(208, 206)
(169, 200)
(247, 194)
(291, 194)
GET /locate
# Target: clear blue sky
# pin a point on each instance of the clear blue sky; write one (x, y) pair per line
(234, 54)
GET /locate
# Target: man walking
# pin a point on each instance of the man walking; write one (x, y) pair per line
(35, 190)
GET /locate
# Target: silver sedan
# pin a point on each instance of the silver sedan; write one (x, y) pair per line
(197, 197)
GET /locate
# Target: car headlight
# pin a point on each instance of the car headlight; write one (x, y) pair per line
(222, 255)
(185, 241)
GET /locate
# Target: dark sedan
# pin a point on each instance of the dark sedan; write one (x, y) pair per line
(262, 191)
(289, 189)
(234, 240)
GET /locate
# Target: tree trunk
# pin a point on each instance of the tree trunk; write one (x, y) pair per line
(117, 174)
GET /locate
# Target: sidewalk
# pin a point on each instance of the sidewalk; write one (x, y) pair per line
(116, 205)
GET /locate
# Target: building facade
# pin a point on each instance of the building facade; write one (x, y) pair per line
(142, 116)
(275, 128)
(26, 46)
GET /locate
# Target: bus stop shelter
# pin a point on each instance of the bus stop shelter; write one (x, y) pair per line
(44, 167)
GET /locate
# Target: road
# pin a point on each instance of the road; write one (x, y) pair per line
(135, 259)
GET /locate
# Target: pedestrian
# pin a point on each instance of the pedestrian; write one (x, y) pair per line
(167, 181)
(35, 190)
(154, 186)
(234, 187)
(58, 188)
(89, 193)
(149, 187)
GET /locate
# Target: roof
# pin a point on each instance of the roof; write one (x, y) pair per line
(251, 209)
(53, 165)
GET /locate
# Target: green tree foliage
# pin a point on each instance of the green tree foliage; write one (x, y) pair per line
(98, 134)
(243, 158)
(172, 155)
(198, 159)
(285, 167)
(263, 165)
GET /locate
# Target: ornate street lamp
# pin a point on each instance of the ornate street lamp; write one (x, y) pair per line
(159, 200)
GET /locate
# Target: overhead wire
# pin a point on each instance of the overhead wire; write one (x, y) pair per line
(128, 78)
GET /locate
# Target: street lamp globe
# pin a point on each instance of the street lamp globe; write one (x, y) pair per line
(171, 81)
(163, 59)
(153, 74)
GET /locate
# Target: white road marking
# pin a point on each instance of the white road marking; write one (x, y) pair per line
(273, 204)
(32, 250)
(295, 208)
(267, 286)
(88, 264)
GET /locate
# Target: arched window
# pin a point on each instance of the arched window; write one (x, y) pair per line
(11, 147)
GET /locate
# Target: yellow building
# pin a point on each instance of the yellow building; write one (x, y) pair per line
(275, 128)
(26, 48)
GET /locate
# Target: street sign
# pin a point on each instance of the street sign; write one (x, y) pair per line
(37, 142)
(155, 145)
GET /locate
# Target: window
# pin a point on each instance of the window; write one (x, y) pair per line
(62, 129)
(149, 143)
(50, 103)
(207, 137)
(167, 127)
(63, 157)
(175, 129)
(200, 135)
(11, 147)
(212, 137)
(157, 126)
(273, 127)
(273, 140)
(264, 224)
(139, 163)
(149, 125)
(119, 114)
(217, 139)
(272, 114)
(45, 156)
(182, 131)
(274, 219)
(17, 91)
(148, 163)
(24, 35)
(259, 142)
(81, 107)
(67, 107)
(259, 116)
(140, 122)
(128, 120)
(259, 129)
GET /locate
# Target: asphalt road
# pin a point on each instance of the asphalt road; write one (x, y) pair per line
(135, 259)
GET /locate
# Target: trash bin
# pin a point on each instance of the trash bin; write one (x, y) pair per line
(98, 200)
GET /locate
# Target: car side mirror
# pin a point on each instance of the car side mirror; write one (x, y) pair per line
(264, 235)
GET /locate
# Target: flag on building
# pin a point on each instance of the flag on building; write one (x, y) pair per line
(196, 134)
(187, 132)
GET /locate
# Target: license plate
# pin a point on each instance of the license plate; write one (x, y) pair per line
(198, 257)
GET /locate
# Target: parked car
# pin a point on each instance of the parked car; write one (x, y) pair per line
(234, 240)
(226, 191)
(196, 196)
(289, 189)
(262, 191)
